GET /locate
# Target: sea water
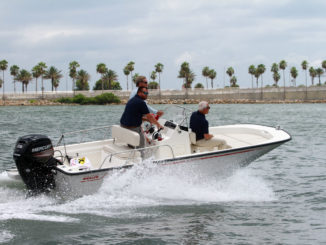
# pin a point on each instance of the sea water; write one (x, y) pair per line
(278, 199)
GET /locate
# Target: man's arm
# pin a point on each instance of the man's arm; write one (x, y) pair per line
(208, 136)
(152, 120)
(151, 109)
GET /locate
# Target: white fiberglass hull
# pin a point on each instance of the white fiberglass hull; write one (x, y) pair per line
(206, 165)
(175, 152)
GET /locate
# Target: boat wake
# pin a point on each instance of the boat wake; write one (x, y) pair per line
(132, 192)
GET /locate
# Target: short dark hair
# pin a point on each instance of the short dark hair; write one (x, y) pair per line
(140, 89)
(140, 79)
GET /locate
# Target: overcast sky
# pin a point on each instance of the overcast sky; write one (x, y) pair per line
(214, 33)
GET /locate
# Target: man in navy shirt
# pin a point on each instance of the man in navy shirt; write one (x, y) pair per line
(134, 112)
(199, 125)
(141, 81)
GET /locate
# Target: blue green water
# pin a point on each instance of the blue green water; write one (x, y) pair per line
(279, 199)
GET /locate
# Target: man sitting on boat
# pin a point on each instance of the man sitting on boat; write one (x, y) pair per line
(199, 125)
(134, 112)
(141, 81)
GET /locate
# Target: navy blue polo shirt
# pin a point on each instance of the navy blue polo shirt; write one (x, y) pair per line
(134, 111)
(199, 124)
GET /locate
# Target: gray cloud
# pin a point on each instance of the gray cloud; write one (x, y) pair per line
(214, 33)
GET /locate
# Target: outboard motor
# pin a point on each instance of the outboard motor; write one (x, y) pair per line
(34, 159)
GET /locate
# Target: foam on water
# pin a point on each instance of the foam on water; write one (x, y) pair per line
(145, 185)
(148, 184)
(6, 236)
(14, 205)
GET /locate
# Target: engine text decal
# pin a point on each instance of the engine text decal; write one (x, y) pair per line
(92, 178)
(42, 148)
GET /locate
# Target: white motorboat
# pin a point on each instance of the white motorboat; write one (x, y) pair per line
(79, 169)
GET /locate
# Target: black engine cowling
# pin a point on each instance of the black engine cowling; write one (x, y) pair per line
(34, 159)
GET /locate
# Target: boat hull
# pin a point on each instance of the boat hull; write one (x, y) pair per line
(218, 165)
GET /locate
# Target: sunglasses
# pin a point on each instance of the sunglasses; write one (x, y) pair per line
(146, 93)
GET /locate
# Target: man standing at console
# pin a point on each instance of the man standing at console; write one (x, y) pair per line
(199, 125)
(141, 81)
(134, 112)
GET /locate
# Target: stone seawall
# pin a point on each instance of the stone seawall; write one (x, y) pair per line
(230, 95)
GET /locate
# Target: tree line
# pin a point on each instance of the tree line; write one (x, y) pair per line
(282, 65)
(80, 78)
(109, 78)
(188, 76)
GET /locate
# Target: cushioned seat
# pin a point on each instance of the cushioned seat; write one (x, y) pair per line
(126, 136)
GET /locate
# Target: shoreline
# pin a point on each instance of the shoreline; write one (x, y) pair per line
(45, 102)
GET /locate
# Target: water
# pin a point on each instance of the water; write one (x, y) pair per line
(278, 199)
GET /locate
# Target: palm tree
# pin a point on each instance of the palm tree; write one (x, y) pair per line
(212, 75)
(42, 66)
(294, 74)
(274, 67)
(153, 85)
(283, 66)
(131, 67)
(3, 67)
(101, 68)
(233, 81)
(24, 77)
(319, 72)
(110, 76)
(313, 74)
(1, 82)
(323, 64)
(73, 73)
(261, 69)
(159, 68)
(230, 72)
(56, 84)
(184, 69)
(205, 73)
(126, 72)
(276, 77)
(252, 71)
(153, 76)
(257, 75)
(53, 74)
(190, 77)
(134, 77)
(36, 74)
(14, 70)
(187, 75)
(82, 80)
(304, 66)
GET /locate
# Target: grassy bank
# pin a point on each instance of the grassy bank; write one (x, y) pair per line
(103, 99)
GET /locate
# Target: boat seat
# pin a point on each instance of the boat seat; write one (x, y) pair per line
(126, 136)
(192, 137)
(196, 148)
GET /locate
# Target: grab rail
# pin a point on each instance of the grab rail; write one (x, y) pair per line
(133, 151)
(80, 131)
